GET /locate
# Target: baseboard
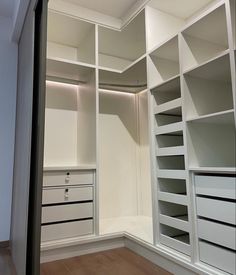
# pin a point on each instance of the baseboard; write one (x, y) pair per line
(52, 251)
(4, 244)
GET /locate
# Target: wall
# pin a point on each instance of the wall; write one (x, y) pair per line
(124, 180)
(8, 76)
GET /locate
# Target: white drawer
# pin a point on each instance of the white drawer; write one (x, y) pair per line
(217, 233)
(218, 257)
(175, 244)
(67, 212)
(223, 187)
(67, 194)
(57, 178)
(66, 230)
(216, 209)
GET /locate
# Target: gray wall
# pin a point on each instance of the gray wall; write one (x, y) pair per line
(8, 78)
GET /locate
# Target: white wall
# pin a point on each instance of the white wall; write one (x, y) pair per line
(8, 76)
(124, 162)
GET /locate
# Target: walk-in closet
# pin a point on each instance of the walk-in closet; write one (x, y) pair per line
(140, 133)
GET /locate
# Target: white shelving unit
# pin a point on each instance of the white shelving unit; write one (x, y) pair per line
(108, 90)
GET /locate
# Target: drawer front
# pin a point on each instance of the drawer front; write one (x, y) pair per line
(218, 257)
(67, 212)
(217, 233)
(175, 244)
(216, 210)
(223, 187)
(68, 178)
(67, 194)
(66, 230)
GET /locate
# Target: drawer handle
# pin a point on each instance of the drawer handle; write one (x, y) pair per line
(66, 195)
(67, 179)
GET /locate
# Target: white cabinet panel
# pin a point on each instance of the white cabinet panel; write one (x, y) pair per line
(67, 194)
(66, 212)
(217, 233)
(66, 230)
(175, 244)
(218, 257)
(217, 210)
(223, 187)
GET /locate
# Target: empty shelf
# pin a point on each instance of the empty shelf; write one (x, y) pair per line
(174, 198)
(170, 151)
(170, 128)
(179, 244)
(171, 107)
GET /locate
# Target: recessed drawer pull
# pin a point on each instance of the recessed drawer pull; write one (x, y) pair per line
(66, 196)
(67, 179)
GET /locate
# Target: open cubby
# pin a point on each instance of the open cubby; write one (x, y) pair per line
(167, 92)
(132, 80)
(174, 210)
(169, 140)
(208, 89)
(205, 39)
(164, 62)
(171, 162)
(212, 141)
(70, 39)
(119, 49)
(176, 186)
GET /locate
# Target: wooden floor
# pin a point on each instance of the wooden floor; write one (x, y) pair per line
(119, 261)
(6, 266)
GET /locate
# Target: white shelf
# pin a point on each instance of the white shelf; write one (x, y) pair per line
(132, 80)
(224, 117)
(170, 151)
(174, 222)
(174, 198)
(180, 245)
(70, 168)
(227, 170)
(171, 107)
(171, 174)
(170, 128)
(68, 71)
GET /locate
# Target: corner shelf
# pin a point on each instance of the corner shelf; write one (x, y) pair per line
(164, 62)
(170, 151)
(202, 40)
(173, 198)
(129, 44)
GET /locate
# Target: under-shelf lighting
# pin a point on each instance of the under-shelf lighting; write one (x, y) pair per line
(61, 84)
(116, 92)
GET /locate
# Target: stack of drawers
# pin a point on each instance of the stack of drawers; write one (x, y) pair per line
(216, 210)
(67, 204)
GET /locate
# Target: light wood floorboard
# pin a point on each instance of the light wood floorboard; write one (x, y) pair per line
(119, 261)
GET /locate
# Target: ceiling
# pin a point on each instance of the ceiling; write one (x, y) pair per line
(180, 8)
(7, 7)
(114, 8)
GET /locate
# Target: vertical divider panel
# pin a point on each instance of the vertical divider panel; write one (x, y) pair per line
(155, 214)
(230, 18)
(189, 183)
(96, 193)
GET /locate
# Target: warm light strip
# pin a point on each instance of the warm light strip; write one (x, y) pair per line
(61, 84)
(116, 92)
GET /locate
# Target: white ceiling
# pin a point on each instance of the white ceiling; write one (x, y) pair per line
(115, 8)
(7, 7)
(179, 8)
